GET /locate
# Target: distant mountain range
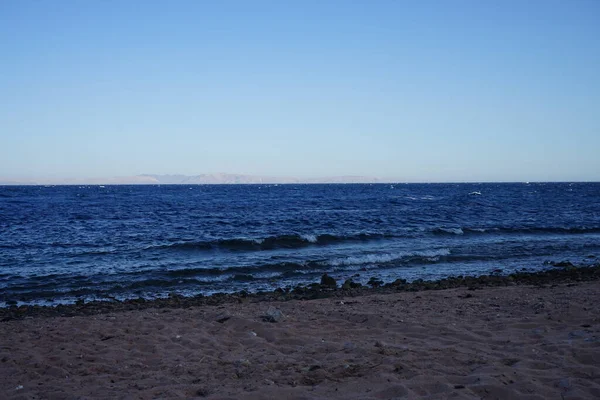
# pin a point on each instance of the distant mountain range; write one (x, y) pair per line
(202, 179)
(250, 179)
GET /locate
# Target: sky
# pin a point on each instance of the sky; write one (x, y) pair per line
(415, 91)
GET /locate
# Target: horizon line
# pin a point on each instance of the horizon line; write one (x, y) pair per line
(294, 183)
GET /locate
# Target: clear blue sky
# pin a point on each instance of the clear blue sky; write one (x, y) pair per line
(445, 90)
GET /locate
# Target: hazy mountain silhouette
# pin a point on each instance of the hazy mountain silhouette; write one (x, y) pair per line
(222, 178)
(204, 179)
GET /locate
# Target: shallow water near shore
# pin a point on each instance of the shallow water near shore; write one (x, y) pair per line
(59, 244)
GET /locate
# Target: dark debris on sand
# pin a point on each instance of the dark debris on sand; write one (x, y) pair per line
(327, 288)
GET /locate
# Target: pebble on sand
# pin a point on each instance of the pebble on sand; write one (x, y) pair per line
(328, 281)
(272, 315)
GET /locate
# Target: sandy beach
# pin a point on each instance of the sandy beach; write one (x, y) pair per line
(525, 342)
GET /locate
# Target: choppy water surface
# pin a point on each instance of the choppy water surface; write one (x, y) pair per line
(58, 244)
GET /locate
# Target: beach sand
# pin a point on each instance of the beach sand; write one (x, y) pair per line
(517, 342)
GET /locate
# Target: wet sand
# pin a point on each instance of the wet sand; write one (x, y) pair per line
(525, 342)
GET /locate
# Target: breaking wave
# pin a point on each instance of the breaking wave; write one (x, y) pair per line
(448, 231)
(414, 257)
(271, 242)
(515, 230)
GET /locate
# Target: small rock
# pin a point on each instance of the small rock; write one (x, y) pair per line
(328, 281)
(510, 361)
(269, 382)
(459, 386)
(272, 315)
(563, 264)
(242, 362)
(399, 282)
(350, 284)
(19, 387)
(375, 282)
(224, 316)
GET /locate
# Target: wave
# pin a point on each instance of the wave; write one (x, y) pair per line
(417, 257)
(243, 278)
(448, 231)
(561, 230)
(425, 197)
(271, 242)
(157, 283)
(240, 271)
(310, 238)
(515, 230)
(406, 257)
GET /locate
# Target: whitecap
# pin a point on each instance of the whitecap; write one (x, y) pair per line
(430, 255)
(309, 237)
(456, 231)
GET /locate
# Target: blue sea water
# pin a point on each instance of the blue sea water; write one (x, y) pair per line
(63, 243)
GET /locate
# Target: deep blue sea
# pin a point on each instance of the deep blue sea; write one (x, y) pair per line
(63, 243)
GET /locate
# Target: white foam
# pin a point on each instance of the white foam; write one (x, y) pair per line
(478, 230)
(456, 231)
(388, 257)
(309, 237)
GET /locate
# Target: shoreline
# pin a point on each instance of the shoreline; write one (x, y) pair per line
(563, 272)
(536, 339)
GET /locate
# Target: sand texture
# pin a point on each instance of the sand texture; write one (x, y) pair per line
(518, 342)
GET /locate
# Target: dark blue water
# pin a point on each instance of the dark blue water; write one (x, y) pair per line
(58, 244)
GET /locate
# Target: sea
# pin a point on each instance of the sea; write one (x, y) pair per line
(61, 244)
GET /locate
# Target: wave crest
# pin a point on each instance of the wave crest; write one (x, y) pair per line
(515, 230)
(417, 256)
(271, 242)
(448, 231)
